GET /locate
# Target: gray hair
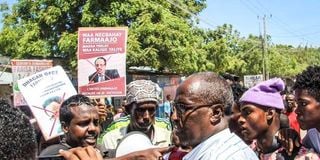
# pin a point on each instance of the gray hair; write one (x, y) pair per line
(214, 89)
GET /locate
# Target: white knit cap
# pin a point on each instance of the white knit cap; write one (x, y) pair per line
(142, 91)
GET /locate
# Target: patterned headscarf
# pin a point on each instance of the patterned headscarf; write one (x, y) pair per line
(142, 91)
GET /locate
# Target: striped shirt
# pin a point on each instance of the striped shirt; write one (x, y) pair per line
(222, 146)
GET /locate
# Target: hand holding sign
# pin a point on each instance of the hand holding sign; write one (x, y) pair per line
(44, 92)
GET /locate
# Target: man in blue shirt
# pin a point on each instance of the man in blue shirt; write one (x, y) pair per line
(167, 106)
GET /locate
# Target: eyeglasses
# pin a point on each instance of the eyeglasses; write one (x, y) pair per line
(97, 65)
(142, 110)
(183, 108)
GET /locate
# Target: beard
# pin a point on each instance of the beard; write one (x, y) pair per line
(188, 141)
(143, 126)
(138, 122)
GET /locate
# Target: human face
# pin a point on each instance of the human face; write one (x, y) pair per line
(145, 114)
(84, 128)
(252, 121)
(54, 107)
(191, 116)
(100, 66)
(233, 121)
(291, 103)
(119, 110)
(308, 110)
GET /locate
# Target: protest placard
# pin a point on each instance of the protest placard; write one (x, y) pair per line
(24, 68)
(44, 92)
(252, 80)
(102, 61)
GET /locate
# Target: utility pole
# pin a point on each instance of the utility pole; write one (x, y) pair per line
(264, 49)
(265, 70)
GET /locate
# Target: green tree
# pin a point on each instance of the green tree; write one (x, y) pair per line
(251, 55)
(160, 34)
(288, 61)
(222, 47)
(282, 61)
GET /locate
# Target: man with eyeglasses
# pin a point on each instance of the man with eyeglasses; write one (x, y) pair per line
(200, 121)
(142, 102)
(101, 73)
(80, 123)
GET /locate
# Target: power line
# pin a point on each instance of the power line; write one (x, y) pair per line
(299, 35)
(263, 7)
(275, 20)
(285, 26)
(250, 8)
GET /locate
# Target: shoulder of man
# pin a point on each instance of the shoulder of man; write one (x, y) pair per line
(109, 71)
(117, 124)
(120, 122)
(53, 150)
(91, 75)
(110, 139)
(163, 123)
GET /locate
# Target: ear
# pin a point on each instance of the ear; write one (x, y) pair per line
(270, 112)
(65, 127)
(217, 113)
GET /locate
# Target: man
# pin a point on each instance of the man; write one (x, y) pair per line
(80, 123)
(142, 101)
(18, 139)
(101, 73)
(307, 96)
(234, 111)
(17, 135)
(51, 106)
(119, 113)
(167, 106)
(260, 108)
(290, 106)
(200, 121)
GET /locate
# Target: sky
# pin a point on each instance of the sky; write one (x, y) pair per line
(292, 22)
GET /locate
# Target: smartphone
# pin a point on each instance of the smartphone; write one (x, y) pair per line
(51, 157)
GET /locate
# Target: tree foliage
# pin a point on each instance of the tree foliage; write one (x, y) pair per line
(161, 35)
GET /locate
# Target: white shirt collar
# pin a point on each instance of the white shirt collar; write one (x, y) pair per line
(201, 148)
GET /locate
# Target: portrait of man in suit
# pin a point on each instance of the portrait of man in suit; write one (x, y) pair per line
(102, 74)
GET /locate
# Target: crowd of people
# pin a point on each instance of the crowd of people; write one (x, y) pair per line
(208, 118)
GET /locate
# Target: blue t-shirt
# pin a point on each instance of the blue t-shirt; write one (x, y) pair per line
(167, 107)
(312, 140)
(160, 111)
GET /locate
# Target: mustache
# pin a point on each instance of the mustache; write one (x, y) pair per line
(145, 124)
(93, 134)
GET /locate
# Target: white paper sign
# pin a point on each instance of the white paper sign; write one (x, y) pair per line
(252, 80)
(44, 92)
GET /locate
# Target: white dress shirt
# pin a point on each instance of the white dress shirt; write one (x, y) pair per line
(222, 146)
